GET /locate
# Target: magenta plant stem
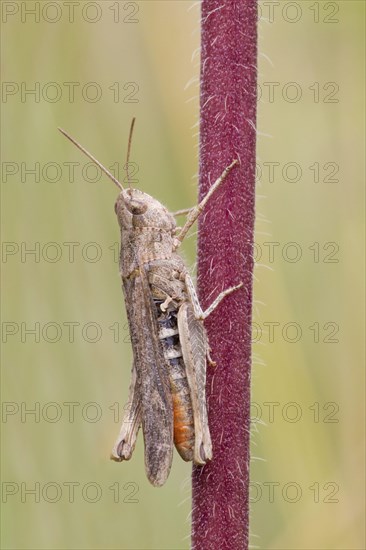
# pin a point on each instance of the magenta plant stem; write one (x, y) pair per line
(220, 515)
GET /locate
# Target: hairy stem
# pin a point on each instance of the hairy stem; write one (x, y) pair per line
(220, 516)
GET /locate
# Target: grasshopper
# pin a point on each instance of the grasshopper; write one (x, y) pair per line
(167, 393)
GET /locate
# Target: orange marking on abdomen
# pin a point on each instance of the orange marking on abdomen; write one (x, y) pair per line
(183, 426)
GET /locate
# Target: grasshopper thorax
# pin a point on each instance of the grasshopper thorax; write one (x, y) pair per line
(134, 208)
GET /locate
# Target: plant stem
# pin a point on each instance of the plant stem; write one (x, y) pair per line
(220, 516)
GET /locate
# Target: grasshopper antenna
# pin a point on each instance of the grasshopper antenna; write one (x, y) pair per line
(128, 152)
(89, 155)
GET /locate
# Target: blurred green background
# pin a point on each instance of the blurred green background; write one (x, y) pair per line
(308, 395)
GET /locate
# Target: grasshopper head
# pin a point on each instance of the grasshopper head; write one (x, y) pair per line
(134, 208)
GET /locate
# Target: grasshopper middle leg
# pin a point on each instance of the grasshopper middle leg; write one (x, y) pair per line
(198, 311)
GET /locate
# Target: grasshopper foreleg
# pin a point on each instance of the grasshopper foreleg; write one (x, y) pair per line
(196, 210)
(183, 212)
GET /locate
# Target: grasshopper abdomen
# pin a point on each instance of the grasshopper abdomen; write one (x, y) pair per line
(183, 422)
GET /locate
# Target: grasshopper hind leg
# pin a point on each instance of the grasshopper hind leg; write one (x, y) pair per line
(194, 344)
(131, 423)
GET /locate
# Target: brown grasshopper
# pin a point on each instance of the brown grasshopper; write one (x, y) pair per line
(170, 347)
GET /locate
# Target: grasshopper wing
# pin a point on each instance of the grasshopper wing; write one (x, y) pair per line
(193, 339)
(152, 378)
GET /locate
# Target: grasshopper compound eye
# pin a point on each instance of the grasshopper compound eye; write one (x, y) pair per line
(136, 207)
